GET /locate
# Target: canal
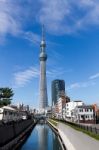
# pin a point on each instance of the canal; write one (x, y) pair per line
(42, 138)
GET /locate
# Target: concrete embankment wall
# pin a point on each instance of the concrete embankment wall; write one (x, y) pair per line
(11, 134)
(55, 129)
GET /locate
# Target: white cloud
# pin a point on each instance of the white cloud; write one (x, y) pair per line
(32, 37)
(63, 16)
(15, 16)
(59, 16)
(94, 76)
(9, 17)
(54, 73)
(73, 86)
(78, 85)
(53, 13)
(23, 77)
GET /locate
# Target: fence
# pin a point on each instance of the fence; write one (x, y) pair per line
(89, 128)
(9, 132)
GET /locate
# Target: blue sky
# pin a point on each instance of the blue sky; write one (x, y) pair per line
(72, 37)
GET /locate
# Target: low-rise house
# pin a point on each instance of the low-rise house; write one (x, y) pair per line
(70, 106)
(84, 114)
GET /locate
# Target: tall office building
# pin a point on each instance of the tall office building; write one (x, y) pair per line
(58, 89)
(43, 83)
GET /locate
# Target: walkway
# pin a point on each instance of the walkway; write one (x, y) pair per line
(75, 140)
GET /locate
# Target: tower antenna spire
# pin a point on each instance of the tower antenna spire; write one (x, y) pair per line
(43, 33)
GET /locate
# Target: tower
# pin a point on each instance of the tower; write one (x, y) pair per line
(43, 83)
(58, 89)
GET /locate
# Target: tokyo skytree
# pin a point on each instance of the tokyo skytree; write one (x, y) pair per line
(43, 99)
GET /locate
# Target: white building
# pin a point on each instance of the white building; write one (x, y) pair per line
(84, 114)
(70, 106)
(48, 111)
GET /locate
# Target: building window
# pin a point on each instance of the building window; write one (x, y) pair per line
(5, 112)
(82, 116)
(81, 110)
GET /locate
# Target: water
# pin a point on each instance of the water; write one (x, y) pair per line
(42, 138)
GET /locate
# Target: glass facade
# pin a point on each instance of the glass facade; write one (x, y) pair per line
(58, 89)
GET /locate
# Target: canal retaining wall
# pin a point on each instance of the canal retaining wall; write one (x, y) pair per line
(55, 129)
(10, 135)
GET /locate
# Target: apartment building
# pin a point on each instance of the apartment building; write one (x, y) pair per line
(70, 106)
(84, 114)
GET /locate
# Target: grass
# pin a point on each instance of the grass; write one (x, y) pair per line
(53, 122)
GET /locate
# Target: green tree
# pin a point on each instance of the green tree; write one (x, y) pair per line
(6, 95)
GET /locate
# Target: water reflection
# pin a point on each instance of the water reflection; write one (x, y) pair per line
(42, 138)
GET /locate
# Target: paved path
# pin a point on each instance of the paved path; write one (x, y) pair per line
(75, 140)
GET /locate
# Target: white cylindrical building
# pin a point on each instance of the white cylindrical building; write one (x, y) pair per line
(43, 100)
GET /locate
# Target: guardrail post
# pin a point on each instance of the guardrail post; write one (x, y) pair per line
(91, 129)
(95, 130)
(87, 128)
